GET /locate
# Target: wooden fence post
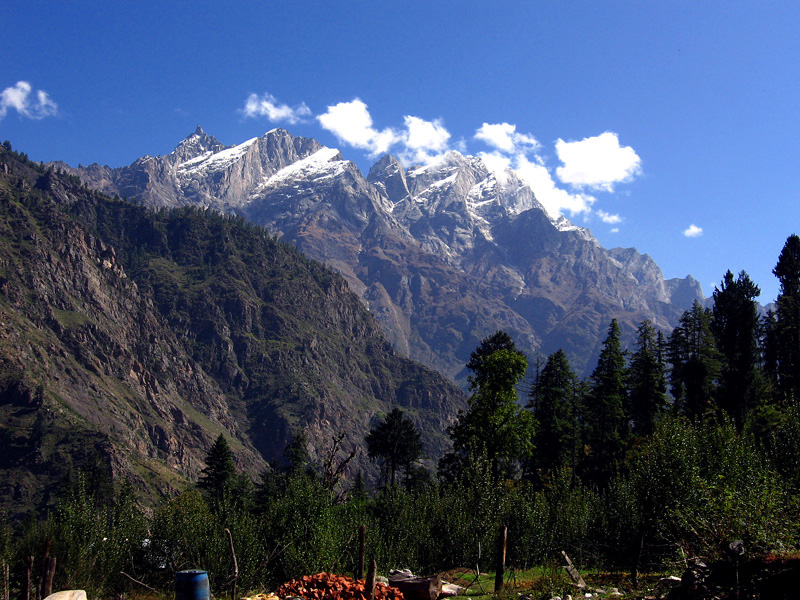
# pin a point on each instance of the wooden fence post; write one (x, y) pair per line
(235, 564)
(6, 582)
(362, 547)
(501, 559)
(369, 588)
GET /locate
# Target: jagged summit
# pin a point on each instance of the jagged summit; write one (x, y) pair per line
(196, 144)
(389, 176)
(443, 254)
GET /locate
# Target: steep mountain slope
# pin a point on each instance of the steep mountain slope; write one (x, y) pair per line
(443, 254)
(133, 338)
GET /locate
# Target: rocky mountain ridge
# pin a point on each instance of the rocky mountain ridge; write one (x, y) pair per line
(442, 254)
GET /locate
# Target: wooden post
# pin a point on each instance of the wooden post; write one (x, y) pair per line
(637, 557)
(27, 594)
(573, 572)
(235, 564)
(369, 586)
(6, 582)
(501, 559)
(362, 547)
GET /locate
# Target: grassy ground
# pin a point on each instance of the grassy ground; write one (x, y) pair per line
(548, 581)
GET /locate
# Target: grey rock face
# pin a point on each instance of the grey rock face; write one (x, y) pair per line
(442, 254)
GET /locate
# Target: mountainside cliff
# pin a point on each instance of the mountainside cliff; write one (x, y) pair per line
(133, 338)
(443, 254)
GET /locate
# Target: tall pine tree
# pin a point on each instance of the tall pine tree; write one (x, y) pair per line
(735, 326)
(397, 442)
(646, 381)
(220, 472)
(494, 425)
(552, 399)
(787, 330)
(695, 363)
(605, 413)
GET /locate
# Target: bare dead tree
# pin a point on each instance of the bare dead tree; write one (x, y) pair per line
(335, 465)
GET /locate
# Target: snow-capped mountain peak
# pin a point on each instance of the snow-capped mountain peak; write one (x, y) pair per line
(194, 145)
(324, 163)
(443, 253)
(215, 160)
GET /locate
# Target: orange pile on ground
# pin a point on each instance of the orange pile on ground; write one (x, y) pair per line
(327, 586)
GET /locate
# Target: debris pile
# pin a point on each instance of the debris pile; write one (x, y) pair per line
(764, 578)
(327, 586)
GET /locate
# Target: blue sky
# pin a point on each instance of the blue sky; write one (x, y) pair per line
(671, 127)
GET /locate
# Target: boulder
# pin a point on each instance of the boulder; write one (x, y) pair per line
(67, 595)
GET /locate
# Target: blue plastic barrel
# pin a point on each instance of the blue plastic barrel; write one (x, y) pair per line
(192, 585)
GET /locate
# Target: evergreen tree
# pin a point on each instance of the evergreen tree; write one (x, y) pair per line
(646, 381)
(695, 363)
(552, 399)
(358, 491)
(296, 455)
(494, 425)
(295, 464)
(396, 441)
(242, 492)
(769, 342)
(477, 365)
(606, 426)
(216, 479)
(735, 325)
(787, 331)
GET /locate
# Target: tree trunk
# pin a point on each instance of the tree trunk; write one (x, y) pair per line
(28, 580)
(43, 574)
(50, 571)
(502, 540)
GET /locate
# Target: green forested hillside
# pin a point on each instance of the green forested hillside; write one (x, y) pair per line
(135, 337)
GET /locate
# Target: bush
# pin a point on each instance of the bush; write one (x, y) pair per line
(742, 497)
(304, 526)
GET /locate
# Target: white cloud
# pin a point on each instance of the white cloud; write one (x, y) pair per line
(597, 162)
(614, 230)
(533, 172)
(693, 231)
(19, 98)
(609, 218)
(504, 137)
(351, 123)
(268, 106)
(428, 135)
(554, 199)
(424, 140)
(497, 163)
(512, 150)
